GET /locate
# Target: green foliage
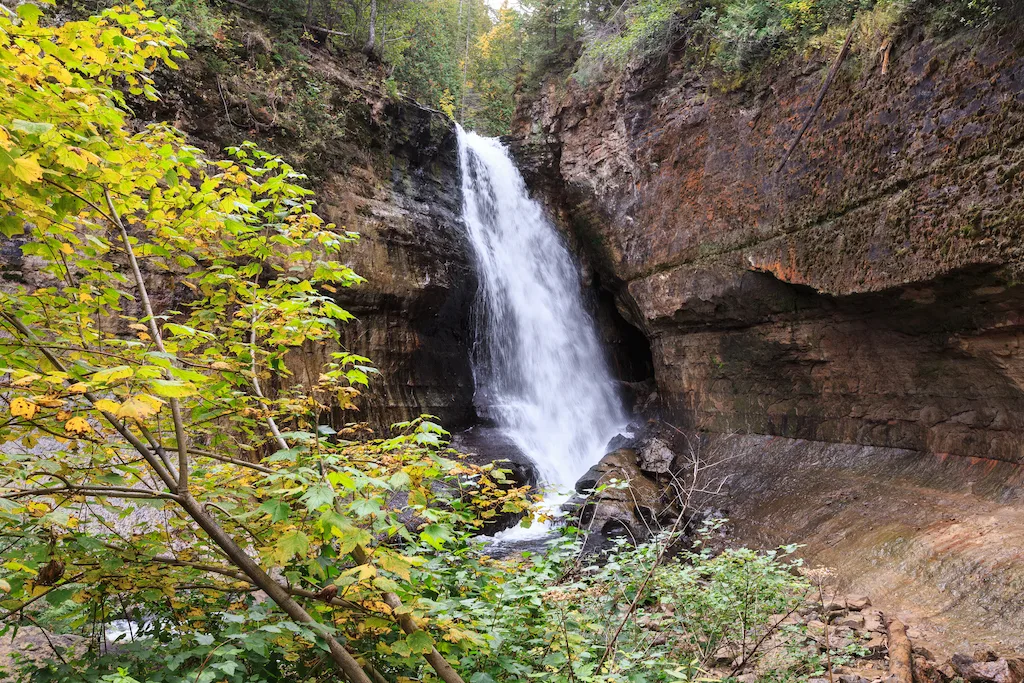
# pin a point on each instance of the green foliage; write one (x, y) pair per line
(949, 16)
(736, 36)
(552, 617)
(643, 28)
(748, 32)
(495, 73)
(145, 475)
(554, 30)
(201, 26)
(428, 57)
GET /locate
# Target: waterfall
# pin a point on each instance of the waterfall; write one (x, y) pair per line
(539, 368)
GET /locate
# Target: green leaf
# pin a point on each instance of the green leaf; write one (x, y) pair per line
(399, 480)
(290, 544)
(29, 13)
(173, 388)
(317, 496)
(420, 642)
(59, 595)
(277, 509)
(348, 534)
(111, 375)
(5, 159)
(435, 535)
(365, 507)
(31, 127)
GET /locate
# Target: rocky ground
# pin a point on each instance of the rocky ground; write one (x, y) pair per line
(863, 643)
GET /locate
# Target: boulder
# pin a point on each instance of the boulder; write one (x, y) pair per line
(630, 504)
(33, 645)
(656, 457)
(1001, 670)
(854, 621)
(926, 671)
(857, 603)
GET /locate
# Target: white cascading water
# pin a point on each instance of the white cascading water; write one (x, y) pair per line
(539, 368)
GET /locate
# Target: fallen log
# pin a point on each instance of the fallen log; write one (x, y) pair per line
(901, 666)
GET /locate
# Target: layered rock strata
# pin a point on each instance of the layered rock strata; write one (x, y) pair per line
(866, 293)
(850, 324)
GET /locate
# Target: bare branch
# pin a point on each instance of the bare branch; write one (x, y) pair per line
(179, 425)
(281, 443)
(235, 461)
(821, 97)
(108, 491)
(158, 447)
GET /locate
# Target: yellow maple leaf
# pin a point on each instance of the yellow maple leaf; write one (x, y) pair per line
(140, 407)
(28, 169)
(22, 407)
(107, 405)
(77, 425)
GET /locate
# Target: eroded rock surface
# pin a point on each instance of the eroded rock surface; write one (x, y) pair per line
(389, 170)
(864, 294)
(624, 503)
(854, 318)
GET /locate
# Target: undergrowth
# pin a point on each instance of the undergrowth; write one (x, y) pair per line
(740, 36)
(627, 616)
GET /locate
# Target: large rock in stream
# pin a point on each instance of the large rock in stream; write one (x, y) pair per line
(617, 499)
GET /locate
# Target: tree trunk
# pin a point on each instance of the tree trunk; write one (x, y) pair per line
(371, 40)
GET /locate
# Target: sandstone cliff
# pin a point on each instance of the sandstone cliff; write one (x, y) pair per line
(865, 294)
(853, 321)
(382, 167)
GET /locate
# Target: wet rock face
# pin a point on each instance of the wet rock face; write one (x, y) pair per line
(413, 310)
(864, 294)
(935, 539)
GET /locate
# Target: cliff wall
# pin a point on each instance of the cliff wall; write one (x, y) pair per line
(866, 293)
(850, 325)
(383, 167)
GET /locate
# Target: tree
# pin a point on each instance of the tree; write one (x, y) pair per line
(119, 402)
(495, 72)
(371, 39)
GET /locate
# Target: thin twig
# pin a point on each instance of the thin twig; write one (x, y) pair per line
(107, 491)
(235, 461)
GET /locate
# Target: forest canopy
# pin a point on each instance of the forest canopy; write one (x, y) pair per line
(471, 58)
